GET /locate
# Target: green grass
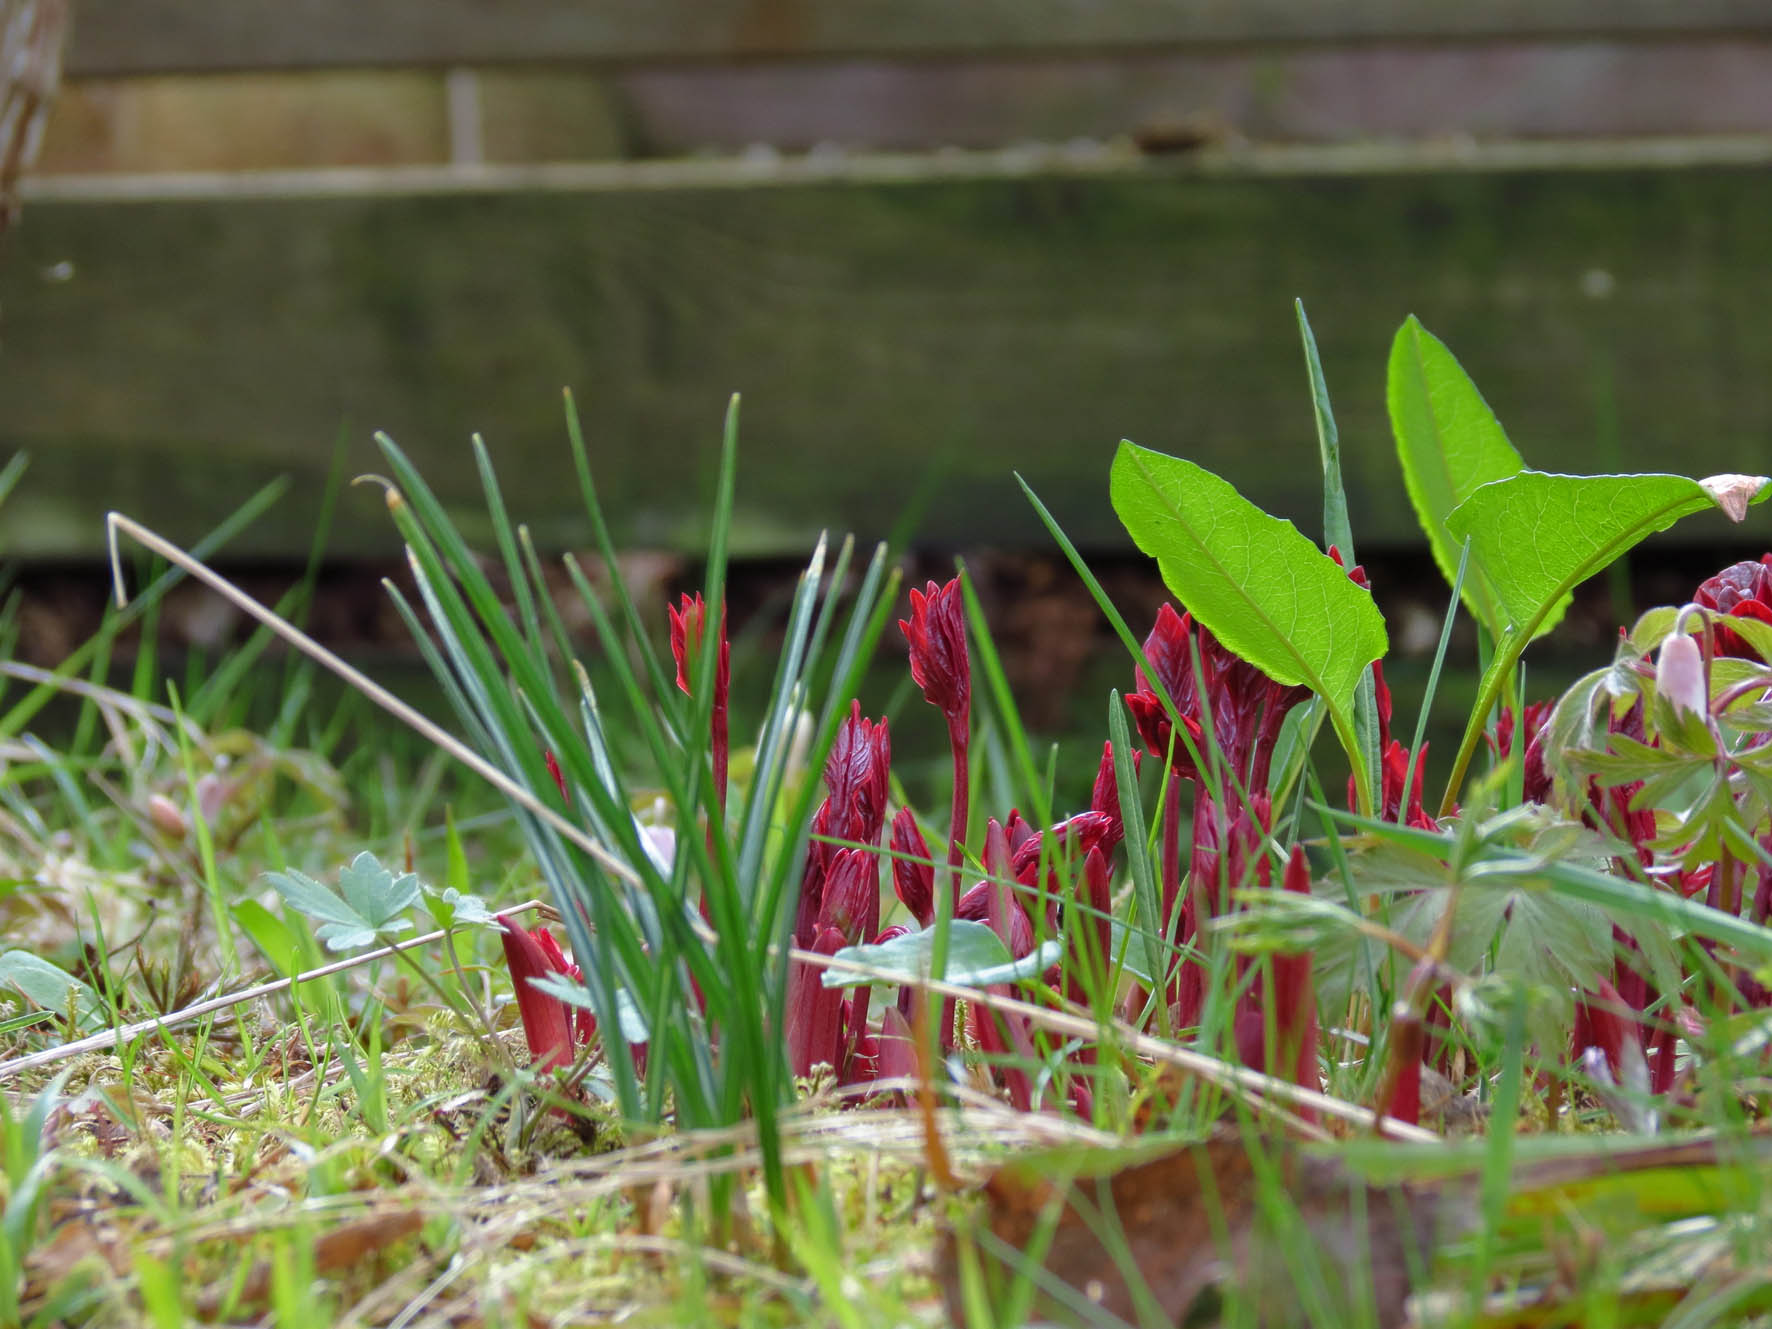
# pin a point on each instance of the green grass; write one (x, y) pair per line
(325, 1138)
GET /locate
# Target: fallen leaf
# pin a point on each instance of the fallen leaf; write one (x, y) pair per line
(335, 1251)
(1167, 1234)
(1160, 1240)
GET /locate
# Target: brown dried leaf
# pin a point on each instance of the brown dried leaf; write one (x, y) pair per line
(1203, 1218)
(336, 1251)
(88, 1237)
(1733, 493)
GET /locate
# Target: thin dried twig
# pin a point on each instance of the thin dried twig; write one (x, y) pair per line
(1248, 1084)
(107, 1039)
(427, 728)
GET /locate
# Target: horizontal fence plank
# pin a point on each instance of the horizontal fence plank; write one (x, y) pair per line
(902, 344)
(1164, 101)
(160, 36)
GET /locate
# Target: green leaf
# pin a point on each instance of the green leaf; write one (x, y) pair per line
(367, 905)
(273, 937)
(1449, 444)
(573, 992)
(976, 958)
(1264, 590)
(452, 908)
(1538, 535)
(1338, 531)
(54, 989)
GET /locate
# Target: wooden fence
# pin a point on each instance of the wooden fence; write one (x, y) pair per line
(923, 282)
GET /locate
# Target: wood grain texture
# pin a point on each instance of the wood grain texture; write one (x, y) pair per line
(161, 36)
(897, 344)
(1485, 91)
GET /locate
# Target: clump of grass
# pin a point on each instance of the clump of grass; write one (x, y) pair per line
(1534, 951)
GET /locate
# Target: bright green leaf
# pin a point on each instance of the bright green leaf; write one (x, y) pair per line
(1449, 444)
(275, 938)
(1538, 536)
(1264, 590)
(52, 988)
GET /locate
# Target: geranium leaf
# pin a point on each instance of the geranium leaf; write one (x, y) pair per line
(1264, 590)
(375, 892)
(367, 905)
(1449, 443)
(452, 908)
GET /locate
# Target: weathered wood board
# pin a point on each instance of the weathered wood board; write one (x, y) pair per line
(896, 343)
(160, 36)
(1489, 91)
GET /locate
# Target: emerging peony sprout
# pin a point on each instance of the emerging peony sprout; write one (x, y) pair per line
(913, 873)
(1168, 650)
(936, 633)
(857, 775)
(1232, 712)
(688, 622)
(553, 1030)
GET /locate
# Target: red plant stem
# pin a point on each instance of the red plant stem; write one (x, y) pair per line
(1399, 1091)
(1661, 1066)
(1172, 884)
(1728, 877)
(854, 1029)
(721, 749)
(959, 739)
(1171, 849)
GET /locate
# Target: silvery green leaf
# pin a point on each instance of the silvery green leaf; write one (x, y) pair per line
(573, 992)
(450, 908)
(367, 905)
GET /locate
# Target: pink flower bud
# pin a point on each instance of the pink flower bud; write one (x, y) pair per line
(1679, 675)
(167, 818)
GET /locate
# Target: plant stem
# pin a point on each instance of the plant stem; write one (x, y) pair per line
(721, 751)
(959, 739)
(429, 979)
(1507, 655)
